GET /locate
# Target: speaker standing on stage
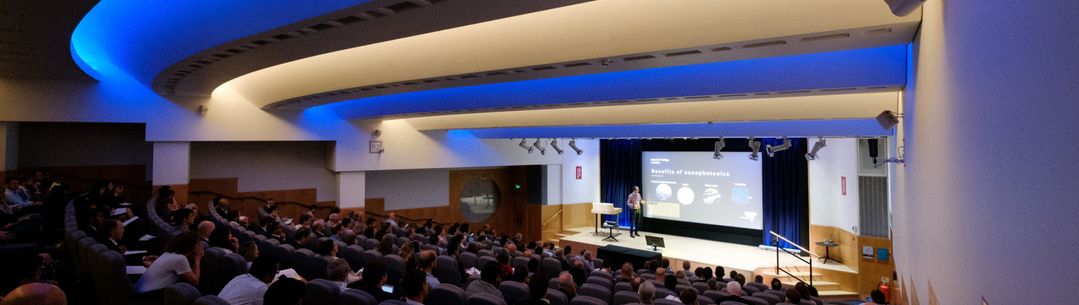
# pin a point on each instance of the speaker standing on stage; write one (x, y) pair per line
(634, 203)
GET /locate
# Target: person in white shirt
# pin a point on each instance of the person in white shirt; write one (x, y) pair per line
(249, 288)
(634, 203)
(16, 197)
(415, 287)
(181, 263)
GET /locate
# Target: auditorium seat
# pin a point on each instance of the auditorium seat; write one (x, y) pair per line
(211, 278)
(447, 295)
(180, 294)
(604, 274)
(600, 280)
(749, 289)
(446, 270)
(705, 301)
(557, 297)
(664, 292)
(393, 302)
(680, 287)
(586, 300)
(732, 303)
(370, 244)
(395, 268)
(772, 299)
(350, 296)
(309, 265)
(211, 300)
(758, 301)
(513, 291)
(484, 260)
(486, 252)
(487, 299)
(469, 260)
(353, 255)
(284, 255)
(595, 291)
(551, 266)
(758, 286)
(647, 276)
(520, 262)
(625, 297)
(660, 301)
(715, 294)
(321, 291)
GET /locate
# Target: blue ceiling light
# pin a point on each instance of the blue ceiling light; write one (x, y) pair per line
(142, 38)
(880, 66)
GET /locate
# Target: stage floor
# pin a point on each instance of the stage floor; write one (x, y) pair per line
(699, 252)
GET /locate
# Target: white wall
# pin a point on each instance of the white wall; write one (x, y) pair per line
(264, 166)
(827, 204)
(410, 189)
(987, 206)
(585, 190)
(172, 163)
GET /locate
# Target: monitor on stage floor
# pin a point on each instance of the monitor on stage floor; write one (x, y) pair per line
(654, 241)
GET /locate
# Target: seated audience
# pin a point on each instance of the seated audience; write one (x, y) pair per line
(285, 291)
(181, 262)
(414, 286)
(327, 248)
(566, 284)
(249, 288)
(647, 292)
(777, 284)
(490, 281)
(734, 291)
(112, 233)
(793, 296)
(374, 277)
(223, 238)
(35, 294)
(301, 238)
(537, 290)
(337, 271)
(427, 263)
(250, 251)
(688, 297)
(205, 229)
(184, 218)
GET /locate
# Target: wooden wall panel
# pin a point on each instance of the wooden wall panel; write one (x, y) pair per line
(578, 215)
(848, 250)
(248, 207)
(871, 270)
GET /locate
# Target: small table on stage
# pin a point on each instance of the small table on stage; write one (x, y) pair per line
(828, 244)
(601, 208)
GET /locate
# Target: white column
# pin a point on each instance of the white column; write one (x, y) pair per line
(351, 189)
(172, 163)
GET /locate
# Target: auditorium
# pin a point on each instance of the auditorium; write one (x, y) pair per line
(557, 152)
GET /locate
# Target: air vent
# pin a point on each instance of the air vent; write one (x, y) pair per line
(880, 31)
(261, 42)
(579, 64)
(282, 37)
(222, 55)
(696, 97)
(470, 76)
(682, 53)
(496, 73)
(765, 44)
(403, 6)
(349, 20)
(633, 58)
(321, 27)
(794, 92)
(234, 51)
(826, 37)
(837, 89)
(721, 49)
(543, 68)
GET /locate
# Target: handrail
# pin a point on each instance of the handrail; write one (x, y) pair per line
(306, 205)
(549, 220)
(795, 244)
(809, 261)
(405, 218)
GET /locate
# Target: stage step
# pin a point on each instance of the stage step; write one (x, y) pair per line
(832, 295)
(821, 285)
(768, 275)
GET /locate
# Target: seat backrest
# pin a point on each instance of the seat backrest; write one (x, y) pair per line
(772, 299)
(483, 260)
(321, 291)
(604, 274)
(623, 286)
(212, 277)
(469, 260)
(514, 292)
(232, 265)
(353, 255)
(395, 268)
(700, 286)
(446, 270)
(392, 302)
(595, 291)
(210, 300)
(308, 265)
(447, 295)
(758, 286)
(284, 256)
(664, 292)
(600, 280)
(551, 266)
(520, 262)
(731, 303)
(484, 299)
(750, 289)
(666, 302)
(181, 294)
(715, 294)
(349, 296)
(586, 300)
(118, 287)
(370, 244)
(371, 255)
(486, 252)
(557, 297)
(625, 297)
(758, 301)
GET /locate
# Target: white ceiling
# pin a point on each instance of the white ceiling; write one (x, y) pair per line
(584, 31)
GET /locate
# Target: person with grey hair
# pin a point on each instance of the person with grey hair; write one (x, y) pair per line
(647, 292)
(337, 272)
(734, 291)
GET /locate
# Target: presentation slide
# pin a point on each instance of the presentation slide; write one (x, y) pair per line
(694, 187)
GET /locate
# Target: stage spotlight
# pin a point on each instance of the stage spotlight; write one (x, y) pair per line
(755, 147)
(772, 150)
(719, 147)
(554, 144)
(537, 145)
(888, 119)
(812, 155)
(573, 145)
(524, 145)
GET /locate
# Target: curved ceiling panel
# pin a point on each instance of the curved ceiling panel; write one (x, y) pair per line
(143, 38)
(820, 73)
(576, 36)
(796, 128)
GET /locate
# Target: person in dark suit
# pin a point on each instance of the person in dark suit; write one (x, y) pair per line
(112, 234)
(537, 290)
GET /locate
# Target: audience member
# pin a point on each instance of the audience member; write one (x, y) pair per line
(337, 271)
(374, 277)
(688, 296)
(877, 298)
(285, 291)
(301, 238)
(112, 234)
(35, 294)
(250, 251)
(670, 282)
(734, 293)
(793, 297)
(537, 290)
(720, 273)
(566, 285)
(249, 288)
(205, 229)
(777, 284)
(490, 281)
(427, 263)
(647, 292)
(180, 263)
(327, 247)
(415, 288)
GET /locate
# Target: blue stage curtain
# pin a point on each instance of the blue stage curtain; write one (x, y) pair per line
(786, 193)
(620, 170)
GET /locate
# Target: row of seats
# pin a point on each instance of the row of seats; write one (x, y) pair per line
(95, 265)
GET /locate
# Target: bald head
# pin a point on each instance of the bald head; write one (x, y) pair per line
(36, 294)
(205, 228)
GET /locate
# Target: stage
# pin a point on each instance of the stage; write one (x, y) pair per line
(699, 252)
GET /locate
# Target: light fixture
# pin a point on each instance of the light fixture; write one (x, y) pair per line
(719, 146)
(888, 119)
(812, 155)
(524, 145)
(772, 150)
(537, 145)
(755, 147)
(554, 144)
(573, 145)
